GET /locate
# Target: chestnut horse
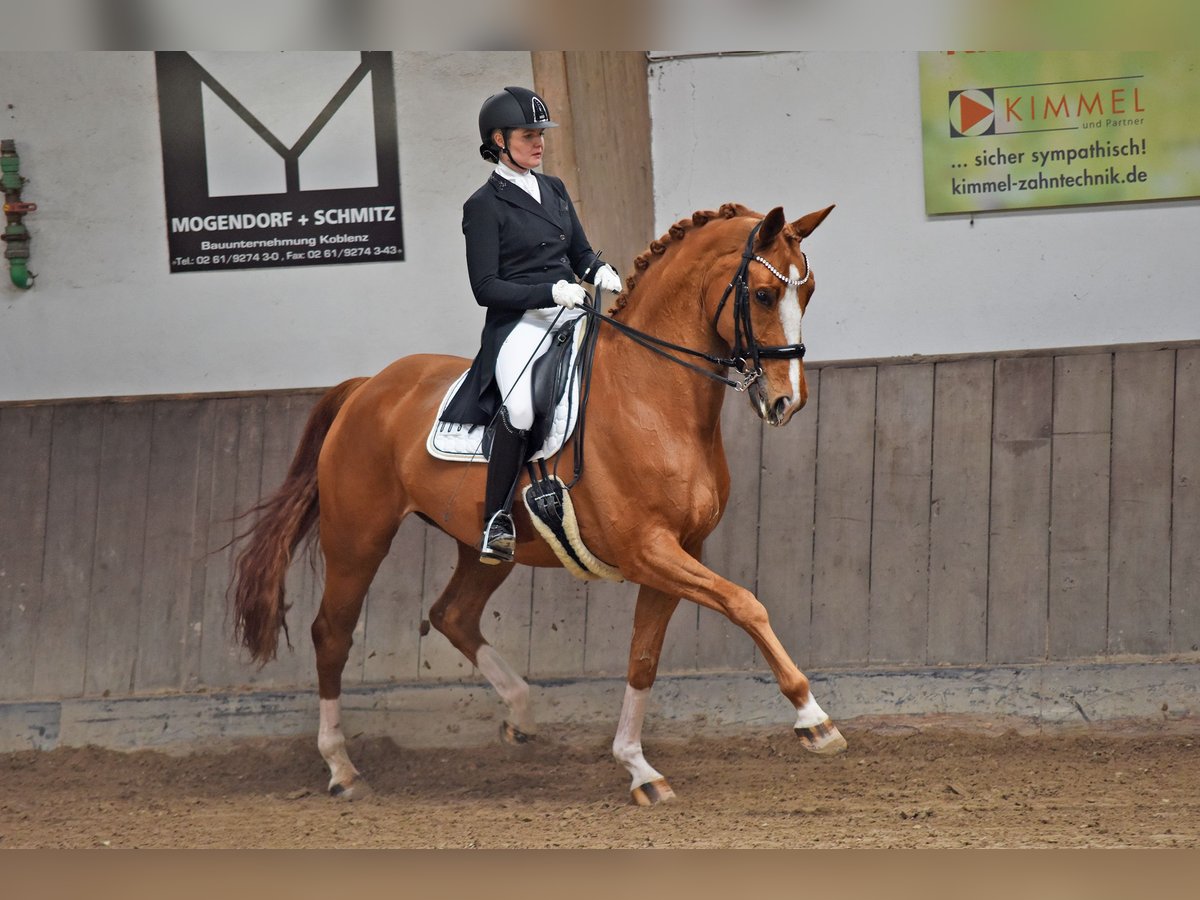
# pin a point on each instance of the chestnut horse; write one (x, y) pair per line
(655, 485)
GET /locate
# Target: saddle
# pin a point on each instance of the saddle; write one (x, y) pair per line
(556, 390)
(556, 380)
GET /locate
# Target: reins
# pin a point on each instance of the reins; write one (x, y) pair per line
(655, 345)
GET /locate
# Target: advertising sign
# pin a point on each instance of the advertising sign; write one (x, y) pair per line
(279, 159)
(1018, 130)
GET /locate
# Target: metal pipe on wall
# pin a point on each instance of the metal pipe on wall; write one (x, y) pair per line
(16, 235)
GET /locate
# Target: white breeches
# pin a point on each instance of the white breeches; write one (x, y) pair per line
(514, 365)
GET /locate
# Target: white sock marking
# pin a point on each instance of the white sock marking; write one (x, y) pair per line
(332, 744)
(512, 688)
(810, 714)
(627, 745)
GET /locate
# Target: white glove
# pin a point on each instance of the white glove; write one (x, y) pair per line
(607, 279)
(568, 294)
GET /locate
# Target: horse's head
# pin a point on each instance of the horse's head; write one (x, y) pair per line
(779, 285)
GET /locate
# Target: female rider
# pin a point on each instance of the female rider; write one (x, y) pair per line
(525, 252)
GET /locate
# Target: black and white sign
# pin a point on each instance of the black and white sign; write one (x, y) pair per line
(279, 159)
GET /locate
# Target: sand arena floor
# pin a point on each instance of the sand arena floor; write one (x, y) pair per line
(898, 786)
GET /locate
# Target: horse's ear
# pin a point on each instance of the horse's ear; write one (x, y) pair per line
(806, 225)
(771, 226)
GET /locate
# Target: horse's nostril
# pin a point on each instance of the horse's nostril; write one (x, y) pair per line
(781, 405)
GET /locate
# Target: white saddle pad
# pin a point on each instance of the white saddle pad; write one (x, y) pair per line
(463, 443)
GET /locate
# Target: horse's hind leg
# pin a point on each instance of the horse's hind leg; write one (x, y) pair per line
(650, 620)
(457, 614)
(349, 571)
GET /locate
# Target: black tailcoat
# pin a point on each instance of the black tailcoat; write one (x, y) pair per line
(517, 249)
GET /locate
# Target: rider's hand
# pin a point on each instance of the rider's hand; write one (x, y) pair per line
(568, 294)
(607, 279)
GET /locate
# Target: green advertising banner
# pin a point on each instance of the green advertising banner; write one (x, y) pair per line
(1019, 130)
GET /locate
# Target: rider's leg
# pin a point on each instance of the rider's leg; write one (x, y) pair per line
(504, 469)
(514, 365)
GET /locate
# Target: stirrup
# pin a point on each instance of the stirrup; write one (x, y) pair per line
(499, 540)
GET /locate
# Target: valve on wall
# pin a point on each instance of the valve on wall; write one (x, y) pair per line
(16, 235)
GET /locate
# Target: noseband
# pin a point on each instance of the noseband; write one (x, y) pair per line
(745, 348)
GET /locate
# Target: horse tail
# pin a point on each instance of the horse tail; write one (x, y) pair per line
(284, 520)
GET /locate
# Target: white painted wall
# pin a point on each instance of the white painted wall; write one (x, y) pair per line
(106, 317)
(808, 129)
(801, 129)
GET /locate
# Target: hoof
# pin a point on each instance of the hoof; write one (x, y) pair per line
(510, 734)
(823, 739)
(652, 793)
(357, 789)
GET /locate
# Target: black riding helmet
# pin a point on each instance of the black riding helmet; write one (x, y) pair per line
(513, 107)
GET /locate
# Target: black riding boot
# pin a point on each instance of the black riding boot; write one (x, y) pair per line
(504, 470)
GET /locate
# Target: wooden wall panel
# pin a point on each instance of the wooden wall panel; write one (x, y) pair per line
(394, 608)
(1185, 506)
(61, 646)
(598, 95)
(506, 621)
(120, 543)
(248, 490)
(115, 513)
(1020, 518)
(559, 157)
(680, 651)
(25, 436)
(1079, 506)
(609, 627)
(306, 581)
(899, 602)
(1140, 542)
(178, 430)
(960, 497)
(610, 129)
(284, 417)
(439, 659)
(732, 549)
(202, 563)
(217, 655)
(787, 509)
(842, 547)
(558, 623)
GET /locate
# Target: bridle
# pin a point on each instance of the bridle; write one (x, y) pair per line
(746, 354)
(745, 348)
(745, 357)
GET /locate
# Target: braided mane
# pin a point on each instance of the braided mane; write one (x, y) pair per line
(676, 232)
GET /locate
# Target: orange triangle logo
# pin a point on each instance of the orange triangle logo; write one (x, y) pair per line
(971, 112)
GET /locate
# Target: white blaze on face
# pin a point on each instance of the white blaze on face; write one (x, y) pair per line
(790, 315)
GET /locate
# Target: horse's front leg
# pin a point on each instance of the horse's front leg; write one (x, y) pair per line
(650, 620)
(673, 571)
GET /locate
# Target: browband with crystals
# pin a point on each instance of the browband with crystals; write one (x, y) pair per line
(790, 282)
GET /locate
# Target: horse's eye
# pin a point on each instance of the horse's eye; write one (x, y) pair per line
(765, 297)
